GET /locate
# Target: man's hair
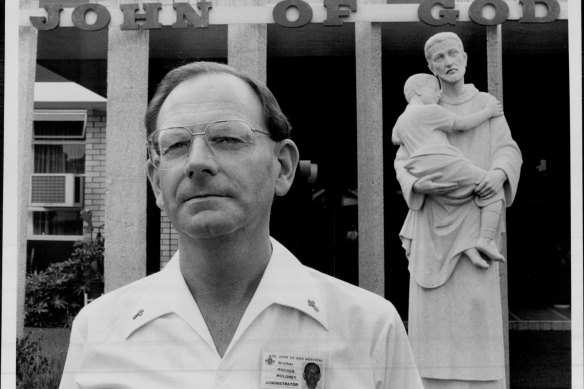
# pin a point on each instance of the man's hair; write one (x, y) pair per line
(439, 38)
(311, 364)
(417, 81)
(274, 120)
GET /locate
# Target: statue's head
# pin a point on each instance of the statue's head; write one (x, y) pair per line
(446, 57)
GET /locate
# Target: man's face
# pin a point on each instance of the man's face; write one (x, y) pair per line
(447, 61)
(210, 195)
(312, 376)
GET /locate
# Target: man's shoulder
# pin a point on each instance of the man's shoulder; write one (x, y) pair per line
(351, 298)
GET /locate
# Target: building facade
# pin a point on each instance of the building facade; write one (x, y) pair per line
(339, 77)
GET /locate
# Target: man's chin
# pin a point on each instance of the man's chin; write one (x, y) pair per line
(453, 77)
(207, 224)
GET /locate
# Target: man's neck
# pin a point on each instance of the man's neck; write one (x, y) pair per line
(223, 274)
(225, 268)
(454, 89)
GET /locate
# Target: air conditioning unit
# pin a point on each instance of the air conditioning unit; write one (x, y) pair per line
(56, 190)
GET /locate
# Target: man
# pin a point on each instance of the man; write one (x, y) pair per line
(233, 307)
(311, 375)
(455, 326)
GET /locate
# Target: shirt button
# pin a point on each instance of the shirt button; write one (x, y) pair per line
(221, 376)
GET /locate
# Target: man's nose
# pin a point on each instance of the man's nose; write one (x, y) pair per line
(200, 159)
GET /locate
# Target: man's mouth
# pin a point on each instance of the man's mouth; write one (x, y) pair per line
(202, 196)
(205, 195)
(450, 71)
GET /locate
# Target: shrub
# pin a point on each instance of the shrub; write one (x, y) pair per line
(55, 295)
(33, 369)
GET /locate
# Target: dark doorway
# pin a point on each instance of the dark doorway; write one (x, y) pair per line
(318, 221)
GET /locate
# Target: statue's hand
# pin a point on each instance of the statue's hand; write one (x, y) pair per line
(426, 185)
(491, 183)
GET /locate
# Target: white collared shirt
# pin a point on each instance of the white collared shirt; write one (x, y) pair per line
(151, 334)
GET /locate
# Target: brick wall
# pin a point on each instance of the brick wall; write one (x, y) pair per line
(168, 239)
(95, 165)
(95, 133)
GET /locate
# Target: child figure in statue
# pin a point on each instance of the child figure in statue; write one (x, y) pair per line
(422, 129)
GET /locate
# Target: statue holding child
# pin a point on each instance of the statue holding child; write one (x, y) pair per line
(458, 168)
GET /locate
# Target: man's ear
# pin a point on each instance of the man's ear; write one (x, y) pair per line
(288, 156)
(431, 68)
(154, 179)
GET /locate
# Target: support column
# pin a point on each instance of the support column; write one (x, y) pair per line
(126, 183)
(247, 44)
(370, 157)
(495, 86)
(26, 77)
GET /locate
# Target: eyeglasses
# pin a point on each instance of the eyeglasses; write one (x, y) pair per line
(169, 148)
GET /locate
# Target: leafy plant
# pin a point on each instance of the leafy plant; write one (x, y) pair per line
(55, 295)
(34, 370)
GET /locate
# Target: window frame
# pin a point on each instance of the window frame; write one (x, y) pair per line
(57, 115)
(60, 115)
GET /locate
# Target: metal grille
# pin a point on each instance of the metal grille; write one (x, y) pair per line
(48, 189)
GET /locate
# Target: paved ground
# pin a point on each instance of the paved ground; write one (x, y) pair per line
(540, 359)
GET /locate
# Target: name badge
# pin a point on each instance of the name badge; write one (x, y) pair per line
(281, 370)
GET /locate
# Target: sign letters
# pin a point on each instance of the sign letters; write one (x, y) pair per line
(145, 16)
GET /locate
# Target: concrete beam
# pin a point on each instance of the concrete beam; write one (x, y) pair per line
(126, 183)
(27, 40)
(495, 86)
(370, 157)
(247, 44)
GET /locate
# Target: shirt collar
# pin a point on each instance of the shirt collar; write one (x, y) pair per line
(288, 283)
(166, 292)
(285, 282)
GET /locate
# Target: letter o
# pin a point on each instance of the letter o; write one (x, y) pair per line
(304, 11)
(475, 12)
(78, 16)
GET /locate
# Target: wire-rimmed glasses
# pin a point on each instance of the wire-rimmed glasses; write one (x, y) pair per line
(169, 148)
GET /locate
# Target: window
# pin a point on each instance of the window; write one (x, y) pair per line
(59, 158)
(59, 147)
(61, 124)
(57, 223)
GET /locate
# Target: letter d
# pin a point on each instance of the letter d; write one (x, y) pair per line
(553, 11)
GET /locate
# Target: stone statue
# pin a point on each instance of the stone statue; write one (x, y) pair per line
(422, 129)
(455, 317)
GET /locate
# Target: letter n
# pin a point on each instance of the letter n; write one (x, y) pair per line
(184, 13)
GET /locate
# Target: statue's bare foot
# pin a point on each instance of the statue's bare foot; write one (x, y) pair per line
(489, 248)
(476, 259)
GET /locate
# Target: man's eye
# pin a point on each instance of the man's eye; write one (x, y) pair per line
(226, 140)
(177, 146)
